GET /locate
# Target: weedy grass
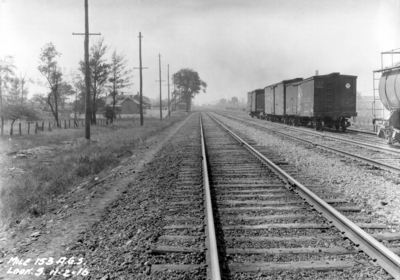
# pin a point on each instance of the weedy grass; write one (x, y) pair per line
(31, 193)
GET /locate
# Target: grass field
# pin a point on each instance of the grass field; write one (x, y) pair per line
(30, 193)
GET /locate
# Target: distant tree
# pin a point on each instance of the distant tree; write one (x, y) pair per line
(65, 90)
(189, 83)
(17, 111)
(77, 81)
(21, 88)
(120, 76)
(99, 73)
(7, 68)
(49, 68)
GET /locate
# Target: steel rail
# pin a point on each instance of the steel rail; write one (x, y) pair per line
(361, 131)
(337, 151)
(323, 135)
(373, 248)
(213, 250)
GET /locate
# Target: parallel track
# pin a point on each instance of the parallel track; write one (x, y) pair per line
(320, 140)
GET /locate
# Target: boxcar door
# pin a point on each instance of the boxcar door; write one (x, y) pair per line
(319, 96)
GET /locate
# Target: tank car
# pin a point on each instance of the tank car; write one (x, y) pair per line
(389, 93)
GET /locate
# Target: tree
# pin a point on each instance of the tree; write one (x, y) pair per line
(49, 68)
(189, 84)
(17, 111)
(65, 90)
(120, 78)
(18, 89)
(6, 72)
(99, 73)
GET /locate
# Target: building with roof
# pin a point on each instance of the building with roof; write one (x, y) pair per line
(126, 105)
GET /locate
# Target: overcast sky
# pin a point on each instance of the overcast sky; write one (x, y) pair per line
(235, 46)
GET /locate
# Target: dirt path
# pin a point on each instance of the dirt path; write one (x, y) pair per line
(50, 236)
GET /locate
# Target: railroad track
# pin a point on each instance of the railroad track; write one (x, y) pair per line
(182, 247)
(377, 156)
(258, 208)
(267, 220)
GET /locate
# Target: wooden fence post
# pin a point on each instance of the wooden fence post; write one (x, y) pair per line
(29, 127)
(65, 124)
(36, 127)
(11, 129)
(69, 123)
(49, 126)
(42, 126)
(20, 132)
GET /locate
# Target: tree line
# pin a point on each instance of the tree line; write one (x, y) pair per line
(108, 76)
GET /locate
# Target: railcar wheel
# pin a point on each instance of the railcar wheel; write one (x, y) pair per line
(388, 136)
(343, 124)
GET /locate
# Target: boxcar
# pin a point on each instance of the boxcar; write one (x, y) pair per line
(275, 100)
(326, 100)
(256, 100)
(251, 105)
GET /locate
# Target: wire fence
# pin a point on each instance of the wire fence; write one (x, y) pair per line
(27, 128)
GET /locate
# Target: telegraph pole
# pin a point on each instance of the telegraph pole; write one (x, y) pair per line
(1, 107)
(141, 80)
(169, 104)
(159, 60)
(87, 71)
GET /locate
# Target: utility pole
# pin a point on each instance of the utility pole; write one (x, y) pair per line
(169, 104)
(141, 78)
(159, 60)
(87, 71)
(1, 107)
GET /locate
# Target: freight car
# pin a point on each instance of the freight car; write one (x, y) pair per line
(325, 100)
(255, 103)
(275, 100)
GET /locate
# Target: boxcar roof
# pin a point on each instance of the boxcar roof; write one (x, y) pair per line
(313, 77)
(290, 81)
(255, 90)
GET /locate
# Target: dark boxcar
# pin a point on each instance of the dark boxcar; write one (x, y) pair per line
(327, 100)
(275, 96)
(257, 103)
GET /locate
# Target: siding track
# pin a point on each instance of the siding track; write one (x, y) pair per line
(378, 156)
